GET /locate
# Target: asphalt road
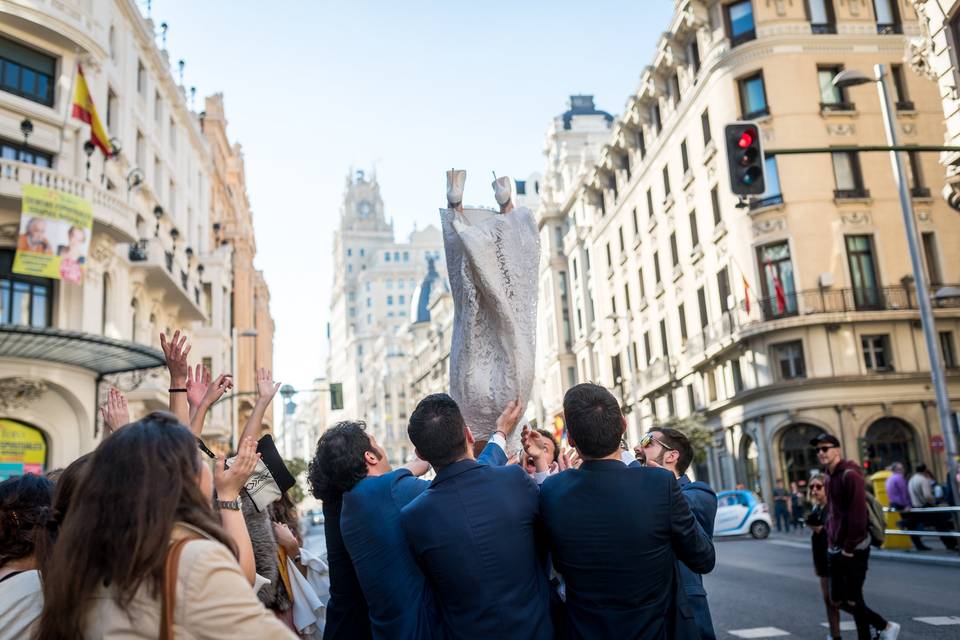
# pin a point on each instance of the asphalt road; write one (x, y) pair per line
(767, 590)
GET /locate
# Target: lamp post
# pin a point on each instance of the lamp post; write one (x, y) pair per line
(88, 149)
(849, 78)
(235, 409)
(26, 128)
(158, 214)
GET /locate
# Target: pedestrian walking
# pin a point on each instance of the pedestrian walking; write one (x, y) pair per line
(921, 497)
(898, 495)
(798, 501)
(848, 538)
(781, 507)
(815, 520)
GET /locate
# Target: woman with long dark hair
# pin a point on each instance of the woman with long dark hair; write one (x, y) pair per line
(816, 520)
(145, 498)
(27, 530)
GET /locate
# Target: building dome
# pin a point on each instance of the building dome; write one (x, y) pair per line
(582, 105)
(432, 284)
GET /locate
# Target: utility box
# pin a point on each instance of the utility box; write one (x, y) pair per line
(879, 483)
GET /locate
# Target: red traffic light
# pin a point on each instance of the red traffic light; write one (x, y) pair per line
(746, 139)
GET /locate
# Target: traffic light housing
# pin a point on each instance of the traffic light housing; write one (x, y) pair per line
(745, 159)
(866, 454)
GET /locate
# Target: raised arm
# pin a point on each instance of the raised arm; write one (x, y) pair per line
(690, 542)
(114, 412)
(202, 394)
(175, 350)
(229, 482)
(266, 389)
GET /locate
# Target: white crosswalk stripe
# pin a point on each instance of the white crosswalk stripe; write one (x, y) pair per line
(845, 625)
(760, 632)
(939, 621)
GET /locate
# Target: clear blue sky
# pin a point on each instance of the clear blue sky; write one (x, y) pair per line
(315, 87)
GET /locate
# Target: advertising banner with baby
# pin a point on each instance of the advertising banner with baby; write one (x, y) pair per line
(55, 229)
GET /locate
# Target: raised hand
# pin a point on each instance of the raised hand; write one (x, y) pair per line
(508, 420)
(535, 448)
(197, 385)
(175, 350)
(266, 387)
(229, 481)
(286, 539)
(417, 467)
(114, 412)
(220, 386)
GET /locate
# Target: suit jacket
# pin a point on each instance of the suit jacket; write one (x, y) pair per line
(401, 603)
(347, 617)
(473, 534)
(703, 503)
(615, 534)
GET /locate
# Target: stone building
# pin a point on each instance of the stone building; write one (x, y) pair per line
(794, 314)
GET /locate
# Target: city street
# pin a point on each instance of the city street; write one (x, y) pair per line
(764, 589)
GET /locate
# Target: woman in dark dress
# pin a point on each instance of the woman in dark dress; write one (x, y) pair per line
(818, 541)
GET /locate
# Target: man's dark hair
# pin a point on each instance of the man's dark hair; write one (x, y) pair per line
(593, 419)
(921, 468)
(338, 464)
(436, 429)
(556, 445)
(681, 443)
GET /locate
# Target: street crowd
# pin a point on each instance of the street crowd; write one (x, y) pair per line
(151, 535)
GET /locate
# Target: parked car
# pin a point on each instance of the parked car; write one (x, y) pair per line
(740, 512)
(316, 517)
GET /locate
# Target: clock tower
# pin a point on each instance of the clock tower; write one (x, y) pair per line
(363, 207)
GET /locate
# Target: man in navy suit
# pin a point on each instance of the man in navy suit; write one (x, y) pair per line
(670, 449)
(615, 532)
(472, 531)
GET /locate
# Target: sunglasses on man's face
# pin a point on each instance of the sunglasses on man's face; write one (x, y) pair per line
(824, 448)
(648, 440)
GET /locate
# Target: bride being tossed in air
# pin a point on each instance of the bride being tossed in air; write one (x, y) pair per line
(492, 260)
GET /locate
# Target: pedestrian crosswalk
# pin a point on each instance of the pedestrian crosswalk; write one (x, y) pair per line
(759, 633)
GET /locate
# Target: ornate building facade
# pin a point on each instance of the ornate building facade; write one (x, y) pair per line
(794, 314)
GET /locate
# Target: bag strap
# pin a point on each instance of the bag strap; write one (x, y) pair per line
(169, 595)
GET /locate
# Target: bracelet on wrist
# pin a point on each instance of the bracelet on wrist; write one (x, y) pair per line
(177, 390)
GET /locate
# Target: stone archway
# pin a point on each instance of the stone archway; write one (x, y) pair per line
(797, 457)
(891, 440)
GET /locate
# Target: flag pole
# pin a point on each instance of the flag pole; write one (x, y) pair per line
(70, 96)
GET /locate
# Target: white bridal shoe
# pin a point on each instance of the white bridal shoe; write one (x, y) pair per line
(456, 179)
(502, 190)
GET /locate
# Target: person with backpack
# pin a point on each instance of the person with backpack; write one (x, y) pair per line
(848, 524)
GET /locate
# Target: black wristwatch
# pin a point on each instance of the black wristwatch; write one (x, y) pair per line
(233, 505)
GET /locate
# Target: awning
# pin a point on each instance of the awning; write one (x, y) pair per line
(95, 353)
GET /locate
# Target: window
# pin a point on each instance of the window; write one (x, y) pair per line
(626, 296)
(157, 108)
(141, 78)
(666, 182)
(946, 350)
(636, 224)
(715, 206)
(820, 13)
(157, 176)
(900, 88)
(753, 97)
(917, 188)
(401, 300)
(613, 309)
(739, 19)
(29, 155)
(609, 257)
(406, 256)
(788, 360)
(24, 300)
(691, 399)
(846, 172)
(620, 234)
(390, 300)
(771, 194)
(723, 289)
(674, 253)
(112, 110)
(694, 233)
(693, 57)
(656, 267)
(888, 18)
(737, 375)
(664, 346)
(682, 320)
(386, 256)
(655, 119)
(674, 90)
(571, 376)
(705, 127)
(648, 356)
(863, 272)
(643, 286)
(641, 144)
(650, 214)
(105, 300)
(684, 158)
(702, 307)
(932, 258)
(876, 353)
(832, 98)
(776, 280)
(173, 134)
(26, 72)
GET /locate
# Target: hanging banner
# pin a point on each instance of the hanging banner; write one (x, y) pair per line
(55, 229)
(22, 450)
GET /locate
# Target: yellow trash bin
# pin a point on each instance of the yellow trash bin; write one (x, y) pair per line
(879, 482)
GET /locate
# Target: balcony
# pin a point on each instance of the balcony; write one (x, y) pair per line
(822, 28)
(827, 107)
(111, 215)
(817, 301)
(920, 192)
(851, 194)
(889, 29)
(162, 273)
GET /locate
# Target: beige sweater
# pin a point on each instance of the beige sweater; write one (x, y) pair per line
(213, 600)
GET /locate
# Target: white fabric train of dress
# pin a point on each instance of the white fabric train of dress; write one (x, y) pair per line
(492, 262)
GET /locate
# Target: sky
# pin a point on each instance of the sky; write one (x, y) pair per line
(410, 89)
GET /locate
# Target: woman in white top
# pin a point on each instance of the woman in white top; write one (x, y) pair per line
(146, 489)
(26, 536)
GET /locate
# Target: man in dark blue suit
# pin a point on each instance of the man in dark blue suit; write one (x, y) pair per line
(670, 449)
(472, 531)
(400, 602)
(615, 532)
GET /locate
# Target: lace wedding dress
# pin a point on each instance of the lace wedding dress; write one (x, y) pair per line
(492, 262)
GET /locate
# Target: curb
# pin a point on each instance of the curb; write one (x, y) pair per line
(897, 556)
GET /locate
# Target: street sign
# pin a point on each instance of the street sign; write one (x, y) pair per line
(936, 443)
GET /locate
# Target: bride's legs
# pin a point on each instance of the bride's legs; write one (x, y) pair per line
(456, 178)
(502, 190)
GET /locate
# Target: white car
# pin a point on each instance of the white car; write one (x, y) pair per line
(741, 512)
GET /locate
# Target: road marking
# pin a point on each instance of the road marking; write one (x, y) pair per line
(939, 621)
(760, 632)
(845, 625)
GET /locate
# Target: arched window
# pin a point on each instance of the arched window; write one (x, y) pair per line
(890, 440)
(134, 318)
(797, 457)
(105, 303)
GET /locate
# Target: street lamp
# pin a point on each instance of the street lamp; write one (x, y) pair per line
(26, 128)
(851, 78)
(158, 214)
(234, 335)
(88, 149)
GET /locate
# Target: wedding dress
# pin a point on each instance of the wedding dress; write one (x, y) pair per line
(492, 262)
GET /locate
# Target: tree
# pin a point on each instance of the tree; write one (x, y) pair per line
(693, 426)
(297, 468)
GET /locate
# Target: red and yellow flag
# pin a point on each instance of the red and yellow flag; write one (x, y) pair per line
(84, 110)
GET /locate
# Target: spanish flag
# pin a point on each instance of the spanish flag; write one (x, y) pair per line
(84, 110)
